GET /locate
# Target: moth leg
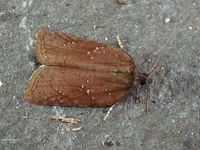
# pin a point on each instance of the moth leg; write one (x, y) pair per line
(145, 97)
(147, 100)
(137, 95)
(109, 111)
(140, 98)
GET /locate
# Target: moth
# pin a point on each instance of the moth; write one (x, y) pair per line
(81, 72)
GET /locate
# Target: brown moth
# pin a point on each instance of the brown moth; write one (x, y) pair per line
(81, 72)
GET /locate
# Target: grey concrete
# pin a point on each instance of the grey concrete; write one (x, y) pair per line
(172, 121)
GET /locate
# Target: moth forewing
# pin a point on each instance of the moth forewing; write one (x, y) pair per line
(56, 48)
(55, 85)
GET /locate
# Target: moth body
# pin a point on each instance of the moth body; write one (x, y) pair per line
(79, 72)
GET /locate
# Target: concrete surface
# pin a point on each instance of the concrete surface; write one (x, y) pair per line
(172, 121)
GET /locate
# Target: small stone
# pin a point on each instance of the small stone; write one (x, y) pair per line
(123, 2)
(167, 20)
(190, 28)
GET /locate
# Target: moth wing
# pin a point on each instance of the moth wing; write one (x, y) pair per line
(59, 49)
(63, 86)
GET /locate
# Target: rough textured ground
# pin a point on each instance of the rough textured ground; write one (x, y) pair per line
(172, 121)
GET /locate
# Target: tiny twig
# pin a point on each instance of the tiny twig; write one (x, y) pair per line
(109, 111)
(77, 129)
(119, 42)
(64, 119)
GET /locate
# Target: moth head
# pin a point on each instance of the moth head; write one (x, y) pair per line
(144, 79)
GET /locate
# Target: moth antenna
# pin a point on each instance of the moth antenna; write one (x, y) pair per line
(162, 52)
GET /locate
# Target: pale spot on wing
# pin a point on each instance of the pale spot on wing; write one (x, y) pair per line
(96, 49)
(88, 91)
(99, 51)
(101, 47)
(71, 43)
